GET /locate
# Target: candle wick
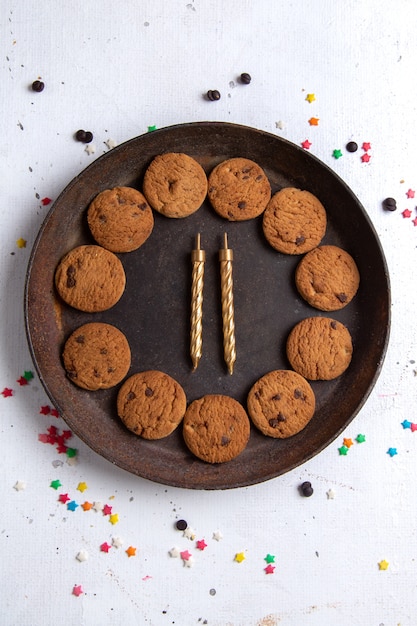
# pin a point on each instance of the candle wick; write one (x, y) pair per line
(225, 241)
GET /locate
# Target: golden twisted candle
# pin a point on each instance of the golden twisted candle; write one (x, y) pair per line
(228, 309)
(198, 258)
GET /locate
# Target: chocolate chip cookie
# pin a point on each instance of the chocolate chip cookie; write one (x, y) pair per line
(216, 428)
(281, 403)
(90, 278)
(96, 356)
(294, 222)
(238, 189)
(319, 348)
(327, 278)
(175, 184)
(151, 404)
(120, 219)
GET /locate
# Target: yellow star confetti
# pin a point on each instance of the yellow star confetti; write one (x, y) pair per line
(383, 564)
(310, 97)
(239, 557)
(21, 243)
(114, 518)
(82, 487)
(313, 121)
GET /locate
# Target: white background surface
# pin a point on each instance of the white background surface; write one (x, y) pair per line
(116, 68)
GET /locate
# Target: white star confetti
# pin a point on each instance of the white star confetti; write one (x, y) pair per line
(189, 533)
(90, 149)
(279, 125)
(98, 506)
(82, 556)
(330, 494)
(117, 542)
(174, 553)
(20, 485)
(110, 143)
(189, 562)
(217, 535)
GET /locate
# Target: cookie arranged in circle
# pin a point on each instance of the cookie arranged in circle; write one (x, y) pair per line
(120, 219)
(294, 221)
(327, 278)
(281, 403)
(319, 348)
(175, 184)
(90, 278)
(238, 189)
(96, 356)
(216, 428)
(151, 404)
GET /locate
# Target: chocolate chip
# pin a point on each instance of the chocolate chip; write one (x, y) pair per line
(333, 325)
(103, 351)
(277, 396)
(85, 136)
(213, 94)
(148, 392)
(225, 440)
(143, 206)
(181, 524)
(352, 146)
(301, 239)
(80, 339)
(298, 394)
(273, 422)
(38, 86)
(281, 417)
(130, 396)
(71, 282)
(242, 204)
(342, 297)
(306, 489)
(389, 204)
(245, 78)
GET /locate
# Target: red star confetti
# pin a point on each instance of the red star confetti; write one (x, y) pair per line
(21, 243)
(107, 509)
(64, 498)
(410, 193)
(201, 544)
(54, 413)
(22, 381)
(45, 410)
(366, 146)
(105, 547)
(313, 121)
(365, 158)
(406, 213)
(413, 427)
(415, 221)
(306, 144)
(46, 201)
(269, 569)
(131, 551)
(77, 590)
(6, 393)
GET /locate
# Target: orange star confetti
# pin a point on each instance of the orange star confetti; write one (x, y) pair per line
(313, 121)
(347, 442)
(87, 505)
(131, 551)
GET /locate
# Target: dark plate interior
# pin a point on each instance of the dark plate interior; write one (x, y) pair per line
(154, 310)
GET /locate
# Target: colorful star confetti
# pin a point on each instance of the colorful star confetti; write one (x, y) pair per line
(71, 506)
(360, 438)
(406, 213)
(19, 485)
(117, 542)
(410, 193)
(337, 153)
(365, 158)
(413, 427)
(64, 498)
(201, 544)
(306, 144)
(7, 392)
(174, 552)
(383, 565)
(270, 558)
(343, 450)
(114, 518)
(22, 381)
(406, 424)
(87, 505)
(330, 494)
(107, 509)
(310, 97)
(46, 201)
(21, 243)
(77, 590)
(347, 442)
(151, 128)
(185, 555)
(392, 452)
(131, 551)
(55, 484)
(82, 487)
(82, 556)
(366, 146)
(239, 557)
(269, 569)
(105, 547)
(28, 375)
(217, 536)
(313, 121)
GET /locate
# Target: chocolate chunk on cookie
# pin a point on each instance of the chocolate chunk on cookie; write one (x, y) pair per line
(216, 428)
(120, 219)
(327, 278)
(90, 278)
(175, 184)
(238, 189)
(319, 348)
(281, 403)
(151, 404)
(96, 356)
(294, 221)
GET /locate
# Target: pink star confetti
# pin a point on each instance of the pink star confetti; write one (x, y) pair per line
(366, 146)
(105, 547)
(410, 193)
(406, 213)
(365, 158)
(415, 221)
(185, 555)
(269, 569)
(306, 144)
(201, 544)
(64, 498)
(107, 509)
(7, 393)
(413, 427)
(77, 590)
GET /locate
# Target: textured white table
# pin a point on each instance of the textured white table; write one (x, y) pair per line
(116, 68)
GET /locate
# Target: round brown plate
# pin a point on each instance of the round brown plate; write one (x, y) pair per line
(154, 311)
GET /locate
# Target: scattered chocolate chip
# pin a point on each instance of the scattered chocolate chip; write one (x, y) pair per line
(225, 440)
(80, 339)
(352, 146)
(301, 239)
(181, 524)
(333, 325)
(245, 78)
(130, 396)
(38, 86)
(85, 136)
(241, 205)
(213, 94)
(277, 396)
(148, 392)
(389, 204)
(306, 489)
(342, 297)
(103, 351)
